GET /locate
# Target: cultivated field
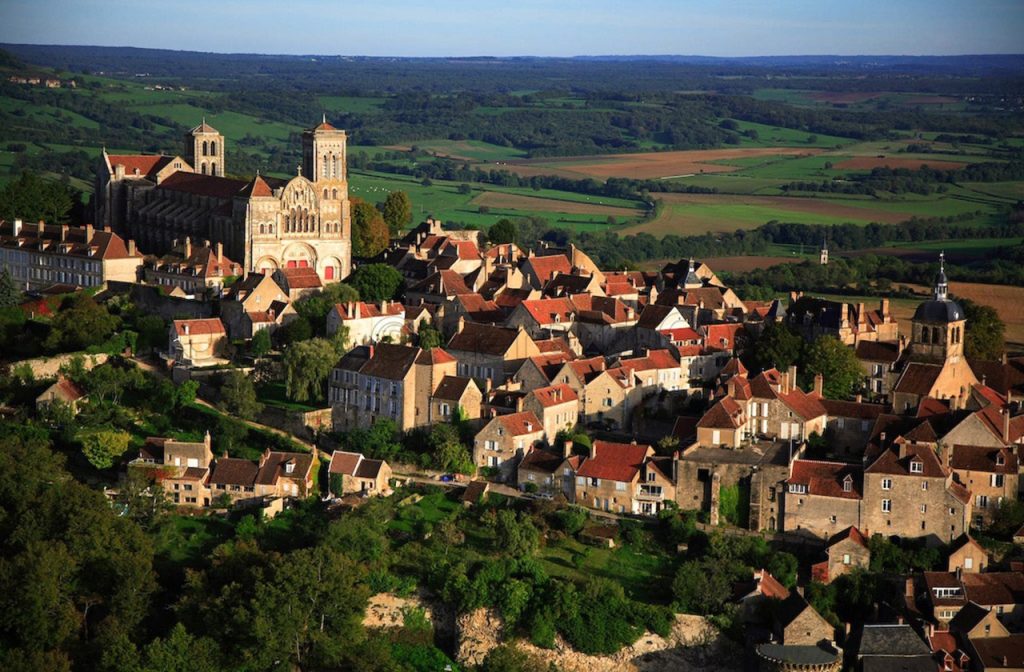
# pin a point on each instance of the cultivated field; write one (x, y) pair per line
(871, 162)
(653, 165)
(505, 201)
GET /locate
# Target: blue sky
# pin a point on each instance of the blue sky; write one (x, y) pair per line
(526, 27)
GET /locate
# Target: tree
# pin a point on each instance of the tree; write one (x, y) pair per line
(152, 332)
(260, 344)
(376, 282)
(182, 652)
(141, 499)
(111, 380)
(985, 331)
(307, 365)
(397, 211)
(238, 395)
(103, 446)
(369, 230)
(298, 330)
(517, 536)
(429, 337)
(33, 199)
(778, 346)
(81, 322)
(9, 294)
(447, 450)
(315, 307)
(838, 365)
(502, 231)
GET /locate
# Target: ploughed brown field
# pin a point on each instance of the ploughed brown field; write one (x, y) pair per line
(744, 264)
(649, 165)
(493, 199)
(869, 162)
(1006, 299)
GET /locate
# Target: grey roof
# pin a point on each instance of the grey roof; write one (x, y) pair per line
(797, 655)
(891, 640)
(939, 311)
(917, 663)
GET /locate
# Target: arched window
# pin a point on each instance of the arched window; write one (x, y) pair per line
(213, 167)
(202, 168)
(263, 228)
(324, 171)
(926, 335)
(334, 194)
(213, 148)
(325, 194)
(205, 153)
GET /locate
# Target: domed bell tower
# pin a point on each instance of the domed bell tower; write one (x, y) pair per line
(938, 324)
(204, 149)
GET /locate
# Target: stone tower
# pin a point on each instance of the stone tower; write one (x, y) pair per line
(823, 258)
(323, 160)
(938, 324)
(204, 149)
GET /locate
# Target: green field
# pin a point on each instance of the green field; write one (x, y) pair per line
(774, 136)
(474, 150)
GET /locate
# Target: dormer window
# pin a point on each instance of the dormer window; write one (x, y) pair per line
(289, 467)
(916, 467)
(847, 483)
(1000, 460)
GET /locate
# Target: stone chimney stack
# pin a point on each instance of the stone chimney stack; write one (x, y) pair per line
(791, 378)
(131, 248)
(884, 309)
(17, 227)
(188, 247)
(220, 252)
(1006, 424)
(88, 233)
(567, 449)
(819, 384)
(461, 325)
(41, 228)
(63, 232)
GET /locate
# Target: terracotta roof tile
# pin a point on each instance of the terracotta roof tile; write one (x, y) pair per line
(555, 395)
(827, 479)
(520, 424)
(614, 461)
(210, 325)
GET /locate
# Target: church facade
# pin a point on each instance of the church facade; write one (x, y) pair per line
(265, 223)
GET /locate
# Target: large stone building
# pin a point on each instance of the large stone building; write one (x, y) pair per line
(263, 223)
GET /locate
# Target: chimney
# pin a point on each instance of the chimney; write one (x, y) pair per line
(371, 349)
(88, 233)
(462, 324)
(567, 448)
(593, 450)
(860, 397)
(131, 248)
(63, 232)
(791, 378)
(206, 439)
(819, 384)
(119, 171)
(41, 228)
(862, 317)
(884, 309)
(220, 252)
(184, 328)
(1006, 424)
(188, 247)
(519, 404)
(17, 227)
(529, 426)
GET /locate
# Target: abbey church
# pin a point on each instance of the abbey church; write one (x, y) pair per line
(264, 223)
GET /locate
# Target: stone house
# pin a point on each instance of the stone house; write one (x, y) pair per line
(543, 317)
(483, 350)
(623, 478)
(609, 397)
(655, 371)
(823, 499)
(539, 270)
(800, 638)
(256, 294)
(966, 555)
(550, 472)
(946, 593)
(557, 406)
(197, 343)
(849, 424)
(455, 394)
(722, 425)
(276, 474)
(908, 493)
(991, 474)
(63, 391)
(848, 322)
(845, 551)
(196, 269)
(878, 359)
(298, 282)
(358, 475)
(367, 322)
(974, 621)
(504, 439)
(604, 324)
(181, 468)
(656, 321)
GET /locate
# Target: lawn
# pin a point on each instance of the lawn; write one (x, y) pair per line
(273, 394)
(645, 576)
(188, 540)
(431, 508)
(472, 150)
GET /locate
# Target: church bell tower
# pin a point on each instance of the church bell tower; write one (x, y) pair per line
(204, 149)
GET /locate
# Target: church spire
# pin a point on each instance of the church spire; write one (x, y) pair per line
(941, 284)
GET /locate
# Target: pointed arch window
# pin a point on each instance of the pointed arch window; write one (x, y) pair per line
(213, 148)
(205, 148)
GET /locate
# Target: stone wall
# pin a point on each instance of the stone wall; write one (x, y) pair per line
(47, 367)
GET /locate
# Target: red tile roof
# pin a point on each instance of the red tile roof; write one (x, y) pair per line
(826, 478)
(849, 533)
(555, 395)
(203, 185)
(983, 458)
(519, 424)
(210, 325)
(546, 267)
(147, 165)
(434, 356)
(889, 462)
(614, 461)
(550, 311)
(803, 404)
(362, 309)
(301, 278)
(726, 414)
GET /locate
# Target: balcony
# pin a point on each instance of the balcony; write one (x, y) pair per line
(650, 493)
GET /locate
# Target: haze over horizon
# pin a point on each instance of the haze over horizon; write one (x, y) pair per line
(458, 28)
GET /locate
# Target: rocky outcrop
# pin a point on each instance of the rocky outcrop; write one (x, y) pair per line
(693, 644)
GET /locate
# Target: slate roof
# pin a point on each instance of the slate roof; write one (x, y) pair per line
(889, 640)
(234, 471)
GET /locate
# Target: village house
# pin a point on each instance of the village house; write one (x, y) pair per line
(548, 472)
(483, 350)
(455, 396)
(845, 551)
(354, 473)
(849, 424)
(878, 359)
(967, 555)
(503, 440)
(62, 391)
(609, 398)
(800, 638)
(624, 478)
(991, 474)
(850, 323)
(368, 323)
(298, 282)
(823, 498)
(197, 270)
(197, 343)
(557, 406)
(247, 304)
(40, 255)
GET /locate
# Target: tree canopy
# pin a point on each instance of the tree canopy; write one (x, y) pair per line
(31, 198)
(307, 365)
(376, 282)
(837, 363)
(369, 230)
(397, 211)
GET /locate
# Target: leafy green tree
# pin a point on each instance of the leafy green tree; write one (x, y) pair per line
(778, 346)
(397, 211)
(32, 198)
(369, 230)
(376, 282)
(447, 450)
(838, 365)
(298, 330)
(315, 307)
(307, 365)
(110, 381)
(79, 323)
(102, 447)
(182, 652)
(984, 332)
(572, 519)
(9, 294)
(517, 536)
(238, 395)
(702, 587)
(429, 337)
(260, 344)
(152, 332)
(141, 500)
(783, 566)
(503, 231)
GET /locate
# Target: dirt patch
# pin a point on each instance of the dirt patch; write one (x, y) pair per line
(387, 610)
(870, 162)
(651, 165)
(744, 264)
(493, 199)
(844, 98)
